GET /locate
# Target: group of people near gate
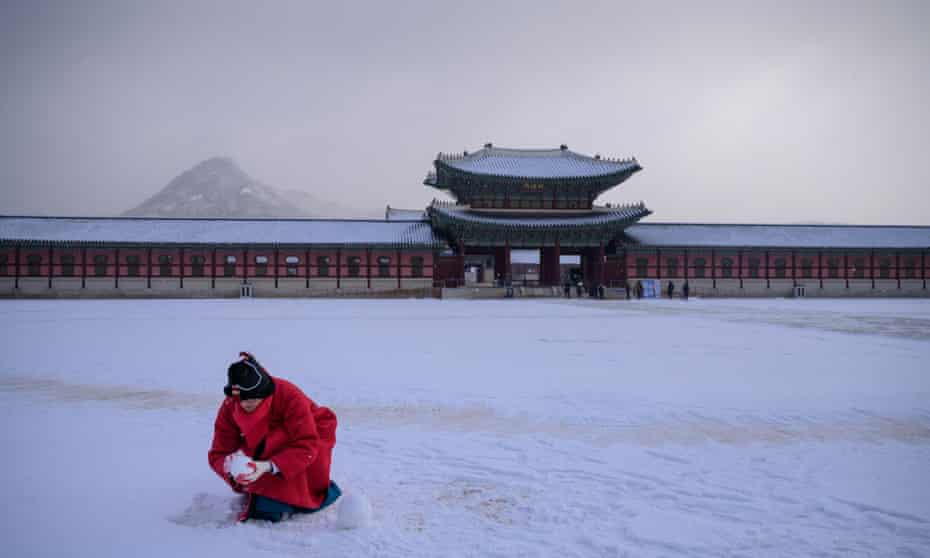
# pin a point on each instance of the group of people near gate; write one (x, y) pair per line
(273, 444)
(637, 290)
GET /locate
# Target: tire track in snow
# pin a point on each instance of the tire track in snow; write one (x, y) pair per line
(679, 428)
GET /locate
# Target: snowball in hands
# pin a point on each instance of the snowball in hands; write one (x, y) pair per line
(237, 464)
(256, 470)
(243, 469)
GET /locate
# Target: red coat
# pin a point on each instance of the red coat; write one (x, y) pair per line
(300, 441)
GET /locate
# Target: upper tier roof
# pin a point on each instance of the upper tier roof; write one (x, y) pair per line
(334, 232)
(535, 163)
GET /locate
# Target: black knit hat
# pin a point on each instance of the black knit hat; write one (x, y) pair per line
(249, 378)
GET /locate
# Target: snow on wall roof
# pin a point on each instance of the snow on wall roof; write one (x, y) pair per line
(420, 233)
(536, 163)
(788, 236)
(396, 214)
(216, 231)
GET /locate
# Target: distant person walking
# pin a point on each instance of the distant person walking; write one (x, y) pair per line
(671, 289)
(685, 290)
(639, 289)
(626, 289)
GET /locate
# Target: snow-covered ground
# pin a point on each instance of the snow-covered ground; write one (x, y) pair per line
(493, 428)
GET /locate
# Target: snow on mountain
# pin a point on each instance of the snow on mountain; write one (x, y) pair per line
(218, 187)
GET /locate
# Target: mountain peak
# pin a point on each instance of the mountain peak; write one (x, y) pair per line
(217, 163)
(218, 187)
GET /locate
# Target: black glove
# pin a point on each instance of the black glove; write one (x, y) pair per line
(232, 483)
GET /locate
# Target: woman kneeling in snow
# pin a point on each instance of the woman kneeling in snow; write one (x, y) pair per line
(274, 443)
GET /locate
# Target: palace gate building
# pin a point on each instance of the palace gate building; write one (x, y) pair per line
(505, 199)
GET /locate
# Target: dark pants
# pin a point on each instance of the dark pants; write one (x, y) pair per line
(274, 511)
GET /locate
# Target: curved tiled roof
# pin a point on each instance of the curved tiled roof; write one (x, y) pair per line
(601, 216)
(779, 236)
(335, 232)
(536, 163)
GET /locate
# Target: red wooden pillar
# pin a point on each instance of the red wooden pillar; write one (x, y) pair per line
(181, 268)
(507, 263)
(148, 267)
(820, 267)
(658, 264)
(368, 266)
(897, 268)
(276, 267)
(768, 283)
(245, 265)
(623, 262)
(544, 265)
(555, 266)
(460, 264)
(872, 267)
(498, 265)
(739, 263)
(338, 268)
(16, 269)
(116, 281)
(51, 266)
(713, 268)
(307, 267)
(213, 268)
(923, 267)
(846, 268)
(399, 271)
(601, 264)
(83, 267)
(557, 275)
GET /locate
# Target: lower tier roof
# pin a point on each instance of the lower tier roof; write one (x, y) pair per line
(460, 224)
(623, 215)
(334, 232)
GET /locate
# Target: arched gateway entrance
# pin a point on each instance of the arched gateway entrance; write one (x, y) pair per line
(540, 199)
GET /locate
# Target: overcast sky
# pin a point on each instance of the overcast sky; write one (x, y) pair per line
(749, 111)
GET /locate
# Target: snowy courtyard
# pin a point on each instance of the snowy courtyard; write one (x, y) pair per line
(561, 428)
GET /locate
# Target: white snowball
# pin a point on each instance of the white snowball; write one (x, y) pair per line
(354, 511)
(239, 464)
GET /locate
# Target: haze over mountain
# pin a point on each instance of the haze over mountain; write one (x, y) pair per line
(218, 188)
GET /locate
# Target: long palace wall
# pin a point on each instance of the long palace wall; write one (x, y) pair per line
(210, 272)
(37, 271)
(758, 272)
